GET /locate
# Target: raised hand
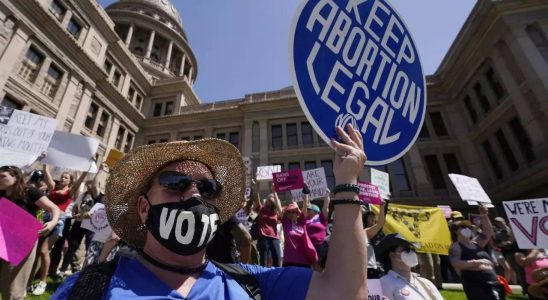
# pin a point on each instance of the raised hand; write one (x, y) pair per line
(350, 156)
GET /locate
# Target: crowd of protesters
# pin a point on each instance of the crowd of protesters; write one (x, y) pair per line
(265, 232)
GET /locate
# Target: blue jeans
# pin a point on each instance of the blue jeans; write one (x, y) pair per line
(269, 246)
(58, 230)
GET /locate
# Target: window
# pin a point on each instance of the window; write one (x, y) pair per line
(437, 123)
(169, 108)
(452, 163)
(116, 78)
(291, 131)
(51, 81)
(329, 176)
(523, 139)
(471, 110)
(307, 133)
(74, 28)
(495, 85)
(10, 102)
(424, 131)
(234, 139)
(256, 137)
(401, 181)
(129, 142)
(538, 37)
(92, 115)
(277, 141)
(164, 140)
(138, 101)
(103, 122)
(488, 150)
(150, 142)
(221, 136)
(485, 106)
(436, 175)
(157, 110)
(130, 94)
(185, 138)
(506, 150)
(197, 137)
(108, 66)
(294, 165)
(57, 9)
(120, 138)
(309, 165)
(31, 64)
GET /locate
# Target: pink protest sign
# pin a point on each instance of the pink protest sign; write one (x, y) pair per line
(288, 180)
(369, 193)
(18, 232)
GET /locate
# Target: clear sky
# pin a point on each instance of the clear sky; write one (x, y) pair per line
(242, 45)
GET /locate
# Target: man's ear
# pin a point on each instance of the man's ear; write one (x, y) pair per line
(142, 208)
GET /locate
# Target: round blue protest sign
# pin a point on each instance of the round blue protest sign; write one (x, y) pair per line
(354, 61)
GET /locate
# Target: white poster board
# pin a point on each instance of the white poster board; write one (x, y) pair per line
(23, 136)
(374, 289)
(317, 183)
(72, 151)
(529, 222)
(98, 223)
(265, 172)
(248, 173)
(382, 181)
(469, 188)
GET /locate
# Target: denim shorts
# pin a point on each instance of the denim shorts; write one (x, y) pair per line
(58, 230)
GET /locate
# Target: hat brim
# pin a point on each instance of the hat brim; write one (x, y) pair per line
(535, 289)
(389, 242)
(135, 170)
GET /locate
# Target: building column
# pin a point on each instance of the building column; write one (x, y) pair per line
(113, 133)
(82, 111)
(150, 43)
(13, 54)
(247, 138)
(168, 58)
(129, 35)
(263, 154)
(190, 72)
(173, 136)
(66, 19)
(39, 80)
(66, 102)
(96, 122)
(125, 87)
(182, 68)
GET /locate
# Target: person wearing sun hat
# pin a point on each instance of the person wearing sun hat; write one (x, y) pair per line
(168, 199)
(398, 257)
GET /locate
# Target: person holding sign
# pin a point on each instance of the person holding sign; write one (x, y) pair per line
(13, 279)
(316, 225)
(155, 202)
(268, 217)
(473, 263)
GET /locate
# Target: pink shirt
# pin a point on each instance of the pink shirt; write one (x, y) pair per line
(315, 228)
(268, 219)
(537, 264)
(295, 241)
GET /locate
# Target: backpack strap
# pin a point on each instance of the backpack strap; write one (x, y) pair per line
(93, 281)
(247, 281)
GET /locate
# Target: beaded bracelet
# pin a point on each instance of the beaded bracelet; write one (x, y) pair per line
(346, 188)
(347, 201)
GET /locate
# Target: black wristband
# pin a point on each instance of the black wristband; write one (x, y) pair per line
(347, 201)
(346, 188)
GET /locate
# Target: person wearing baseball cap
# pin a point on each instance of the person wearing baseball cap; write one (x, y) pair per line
(399, 257)
(168, 199)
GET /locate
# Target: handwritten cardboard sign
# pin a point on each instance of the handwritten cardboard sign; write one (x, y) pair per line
(265, 172)
(382, 181)
(113, 157)
(529, 222)
(469, 189)
(18, 232)
(288, 180)
(25, 133)
(98, 223)
(317, 183)
(369, 193)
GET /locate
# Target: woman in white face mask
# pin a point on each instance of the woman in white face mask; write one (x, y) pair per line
(400, 283)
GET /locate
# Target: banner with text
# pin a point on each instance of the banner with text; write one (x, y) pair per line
(529, 221)
(23, 136)
(288, 180)
(469, 189)
(317, 183)
(369, 193)
(419, 224)
(265, 172)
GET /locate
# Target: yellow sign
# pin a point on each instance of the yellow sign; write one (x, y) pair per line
(113, 157)
(419, 224)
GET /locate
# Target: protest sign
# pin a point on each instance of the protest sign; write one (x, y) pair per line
(317, 184)
(248, 173)
(374, 289)
(446, 210)
(18, 232)
(71, 151)
(355, 62)
(24, 133)
(98, 223)
(265, 172)
(529, 222)
(469, 188)
(419, 224)
(288, 180)
(369, 193)
(113, 157)
(382, 181)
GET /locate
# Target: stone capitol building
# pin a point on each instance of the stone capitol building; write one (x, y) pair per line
(124, 74)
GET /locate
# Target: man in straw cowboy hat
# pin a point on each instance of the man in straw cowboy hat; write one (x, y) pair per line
(167, 200)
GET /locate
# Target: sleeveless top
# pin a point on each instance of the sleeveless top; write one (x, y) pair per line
(477, 253)
(61, 200)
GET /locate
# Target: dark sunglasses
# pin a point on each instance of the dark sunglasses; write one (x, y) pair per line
(175, 181)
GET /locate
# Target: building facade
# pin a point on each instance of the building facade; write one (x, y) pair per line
(125, 75)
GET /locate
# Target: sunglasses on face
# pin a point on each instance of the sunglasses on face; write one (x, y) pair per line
(175, 181)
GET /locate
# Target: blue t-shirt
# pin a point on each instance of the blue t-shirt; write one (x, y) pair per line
(131, 280)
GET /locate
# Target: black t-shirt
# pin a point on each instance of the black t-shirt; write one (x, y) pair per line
(28, 204)
(223, 246)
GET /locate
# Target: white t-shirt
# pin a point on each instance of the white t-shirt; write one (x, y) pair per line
(396, 287)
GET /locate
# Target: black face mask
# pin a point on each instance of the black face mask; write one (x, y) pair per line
(184, 227)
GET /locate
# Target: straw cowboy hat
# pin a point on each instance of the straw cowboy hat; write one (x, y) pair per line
(132, 174)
